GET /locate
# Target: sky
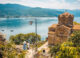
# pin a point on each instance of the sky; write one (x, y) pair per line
(52, 4)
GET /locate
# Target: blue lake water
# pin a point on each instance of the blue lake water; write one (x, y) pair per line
(21, 25)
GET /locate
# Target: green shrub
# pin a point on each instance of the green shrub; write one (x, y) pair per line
(65, 50)
(19, 38)
(9, 51)
(75, 38)
(54, 50)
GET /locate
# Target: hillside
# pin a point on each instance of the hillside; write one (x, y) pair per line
(16, 10)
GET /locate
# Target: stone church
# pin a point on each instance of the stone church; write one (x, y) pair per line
(60, 32)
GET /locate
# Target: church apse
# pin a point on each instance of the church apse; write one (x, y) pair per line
(58, 33)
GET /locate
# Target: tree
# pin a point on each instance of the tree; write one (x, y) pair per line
(75, 38)
(30, 37)
(69, 49)
(54, 50)
(65, 50)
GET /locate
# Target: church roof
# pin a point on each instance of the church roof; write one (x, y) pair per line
(53, 25)
(51, 32)
(76, 27)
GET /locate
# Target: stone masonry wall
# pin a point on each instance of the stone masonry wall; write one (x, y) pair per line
(62, 30)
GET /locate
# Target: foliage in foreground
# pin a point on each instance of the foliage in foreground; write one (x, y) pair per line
(8, 50)
(75, 38)
(66, 50)
(69, 49)
(30, 37)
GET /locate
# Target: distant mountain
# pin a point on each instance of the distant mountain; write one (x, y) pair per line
(16, 10)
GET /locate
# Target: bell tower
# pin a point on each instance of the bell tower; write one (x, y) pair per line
(66, 19)
(60, 32)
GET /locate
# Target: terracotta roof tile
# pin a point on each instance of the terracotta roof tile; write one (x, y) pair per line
(76, 27)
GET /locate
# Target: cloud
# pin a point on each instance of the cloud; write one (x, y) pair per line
(78, 0)
(53, 4)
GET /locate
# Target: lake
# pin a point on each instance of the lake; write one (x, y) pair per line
(22, 25)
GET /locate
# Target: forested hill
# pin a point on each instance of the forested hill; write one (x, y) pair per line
(16, 10)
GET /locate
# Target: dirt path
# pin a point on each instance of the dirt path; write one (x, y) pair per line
(31, 52)
(19, 46)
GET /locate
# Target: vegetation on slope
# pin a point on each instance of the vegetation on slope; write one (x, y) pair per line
(8, 50)
(69, 49)
(30, 37)
(16, 10)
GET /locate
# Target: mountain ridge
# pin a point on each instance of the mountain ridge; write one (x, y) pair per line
(16, 10)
